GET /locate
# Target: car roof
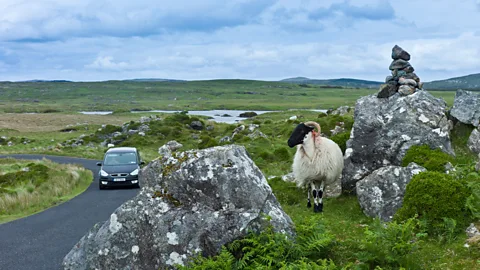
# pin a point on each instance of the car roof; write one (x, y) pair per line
(121, 149)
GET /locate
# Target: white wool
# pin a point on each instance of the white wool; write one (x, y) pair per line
(317, 162)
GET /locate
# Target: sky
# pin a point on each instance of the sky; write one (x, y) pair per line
(96, 40)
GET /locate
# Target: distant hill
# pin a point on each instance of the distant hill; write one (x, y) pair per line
(153, 80)
(471, 82)
(343, 82)
(46, 81)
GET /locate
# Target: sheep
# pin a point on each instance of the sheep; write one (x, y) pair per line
(318, 161)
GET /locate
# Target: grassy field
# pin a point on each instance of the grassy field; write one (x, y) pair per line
(352, 236)
(28, 187)
(120, 96)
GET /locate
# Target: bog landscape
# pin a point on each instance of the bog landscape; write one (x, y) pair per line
(220, 195)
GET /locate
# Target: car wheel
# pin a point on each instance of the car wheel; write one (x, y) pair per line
(137, 185)
(100, 186)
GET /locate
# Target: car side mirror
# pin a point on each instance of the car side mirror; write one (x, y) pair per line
(99, 163)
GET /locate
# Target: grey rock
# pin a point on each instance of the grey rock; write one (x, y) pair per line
(477, 166)
(390, 79)
(143, 128)
(342, 110)
(387, 90)
(141, 133)
(225, 139)
(209, 128)
(248, 114)
(401, 73)
(195, 136)
(197, 125)
(472, 231)
(290, 177)
(399, 53)
(239, 129)
(474, 141)
(466, 107)
(384, 129)
(116, 134)
(449, 167)
(409, 69)
(398, 65)
(257, 134)
(381, 193)
(412, 76)
(167, 149)
(132, 131)
(337, 130)
(10, 143)
(190, 204)
(406, 90)
(405, 81)
(252, 127)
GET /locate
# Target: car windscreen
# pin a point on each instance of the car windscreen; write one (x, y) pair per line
(120, 159)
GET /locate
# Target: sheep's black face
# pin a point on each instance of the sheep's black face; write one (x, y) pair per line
(299, 134)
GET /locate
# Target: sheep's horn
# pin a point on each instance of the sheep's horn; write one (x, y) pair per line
(315, 124)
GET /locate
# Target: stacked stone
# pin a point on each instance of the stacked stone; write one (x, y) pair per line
(403, 78)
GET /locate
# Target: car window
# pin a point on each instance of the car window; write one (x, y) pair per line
(120, 159)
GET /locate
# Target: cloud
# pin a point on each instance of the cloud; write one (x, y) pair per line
(267, 39)
(330, 16)
(107, 63)
(382, 10)
(43, 20)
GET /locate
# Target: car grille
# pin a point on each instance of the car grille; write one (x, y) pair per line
(119, 174)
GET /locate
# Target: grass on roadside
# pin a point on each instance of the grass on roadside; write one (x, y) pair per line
(22, 193)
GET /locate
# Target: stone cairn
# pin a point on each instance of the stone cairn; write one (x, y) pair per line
(403, 79)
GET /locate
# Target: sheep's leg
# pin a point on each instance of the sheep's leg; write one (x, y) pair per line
(320, 197)
(309, 204)
(315, 194)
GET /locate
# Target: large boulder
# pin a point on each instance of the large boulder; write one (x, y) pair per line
(191, 203)
(474, 141)
(384, 129)
(381, 193)
(466, 107)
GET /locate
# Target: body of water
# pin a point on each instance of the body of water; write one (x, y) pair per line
(221, 116)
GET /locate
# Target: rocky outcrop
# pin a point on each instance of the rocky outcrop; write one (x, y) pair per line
(167, 149)
(474, 141)
(381, 193)
(477, 166)
(191, 203)
(384, 129)
(466, 107)
(342, 110)
(403, 79)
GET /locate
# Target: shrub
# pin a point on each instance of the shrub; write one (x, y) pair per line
(270, 250)
(286, 193)
(281, 154)
(341, 139)
(423, 155)
(434, 196)
(266, 155)
(206, 142)
(391, 244)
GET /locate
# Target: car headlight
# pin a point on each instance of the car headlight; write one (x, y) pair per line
(103, 173)
(135, 172)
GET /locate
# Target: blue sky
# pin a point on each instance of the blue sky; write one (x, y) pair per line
(85, 40)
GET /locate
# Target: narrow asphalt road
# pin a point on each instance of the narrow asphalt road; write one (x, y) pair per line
(41, 241)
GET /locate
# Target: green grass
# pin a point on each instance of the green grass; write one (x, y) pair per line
(342, 218)
(122, 96)
(46, 184)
